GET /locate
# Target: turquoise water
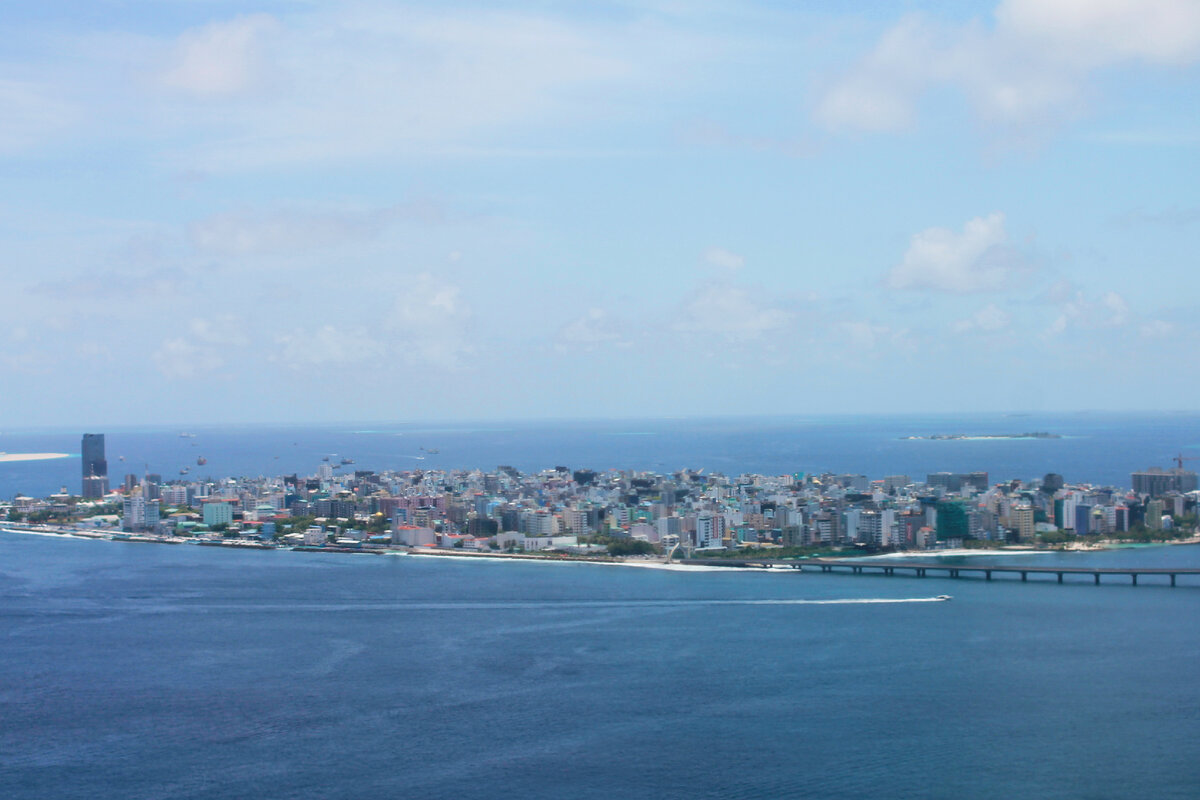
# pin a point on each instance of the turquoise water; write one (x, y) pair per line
(1095, 448)
(148, 671)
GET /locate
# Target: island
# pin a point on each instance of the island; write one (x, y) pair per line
(982, 436)
(616, 515)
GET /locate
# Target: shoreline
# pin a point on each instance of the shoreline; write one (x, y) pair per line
(659, 563)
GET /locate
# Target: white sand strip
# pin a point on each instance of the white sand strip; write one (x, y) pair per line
(4, 457)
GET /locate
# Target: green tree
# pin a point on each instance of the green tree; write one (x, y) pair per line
(630, 547)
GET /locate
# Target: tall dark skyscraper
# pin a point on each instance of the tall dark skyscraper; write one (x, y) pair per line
(95, 466)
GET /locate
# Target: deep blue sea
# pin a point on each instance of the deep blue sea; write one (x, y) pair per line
(134, 671)
(1095, 447)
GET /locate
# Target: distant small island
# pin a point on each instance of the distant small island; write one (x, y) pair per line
(7, 457)
(1031, 435)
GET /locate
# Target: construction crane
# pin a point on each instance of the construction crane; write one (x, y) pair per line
(1179, 459)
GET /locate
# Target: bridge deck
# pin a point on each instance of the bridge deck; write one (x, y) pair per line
(1005, 567)
(922, 569)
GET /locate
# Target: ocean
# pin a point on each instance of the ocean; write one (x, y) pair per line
(134, 671)
(1099, 448)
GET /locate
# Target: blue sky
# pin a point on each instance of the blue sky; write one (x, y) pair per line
(295, 211)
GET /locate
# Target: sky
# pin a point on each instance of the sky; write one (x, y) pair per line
(222, 211)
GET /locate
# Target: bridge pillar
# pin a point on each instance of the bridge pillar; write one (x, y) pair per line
(1134, 576)
(988, 573)
(920, 572)
(1096, 575)
(1172, 578)
(1060, 577)
(1024, 576)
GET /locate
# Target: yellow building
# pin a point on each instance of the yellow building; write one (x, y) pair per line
(1021, 519)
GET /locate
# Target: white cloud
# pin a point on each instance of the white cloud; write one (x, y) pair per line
(1110, 310)
(348, 82)
(861, 335)
(1174, 217)
(426, 327)
(1098, 32)
(429, 321)
(988, 319)
(222, 58)
(381, 80)
(724, 259)
(708, 133)
(593, 329)
(1061, 291)
(303, 349)
(1030, 69)
(94, 351)
(29, 114)
(224, 330)
(90, 284)
(1157, 329)
(296, 230)
(878, 93)
(871, 338)
(202, 351)
(977, 260)
(1117, 308)
(28, 361)
(181, 359)
(730, 312)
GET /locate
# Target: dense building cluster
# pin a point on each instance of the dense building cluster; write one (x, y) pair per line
(581, 509)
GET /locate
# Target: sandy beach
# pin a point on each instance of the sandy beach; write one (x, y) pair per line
(4, 457)
(642, 562)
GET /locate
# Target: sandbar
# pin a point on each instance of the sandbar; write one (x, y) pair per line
(31, 456)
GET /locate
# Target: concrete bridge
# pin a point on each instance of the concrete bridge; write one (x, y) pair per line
(922, 569)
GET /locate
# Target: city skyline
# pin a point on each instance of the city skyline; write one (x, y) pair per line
(549, 508)
(247, 212)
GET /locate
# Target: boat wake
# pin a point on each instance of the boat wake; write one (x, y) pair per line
(547, 605)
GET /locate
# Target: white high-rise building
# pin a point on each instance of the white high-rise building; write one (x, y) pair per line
(174, 495)
(851, 517)
(875, 527)
(139, 513)
(1070, 503)
(710, 530)
(541, 523)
